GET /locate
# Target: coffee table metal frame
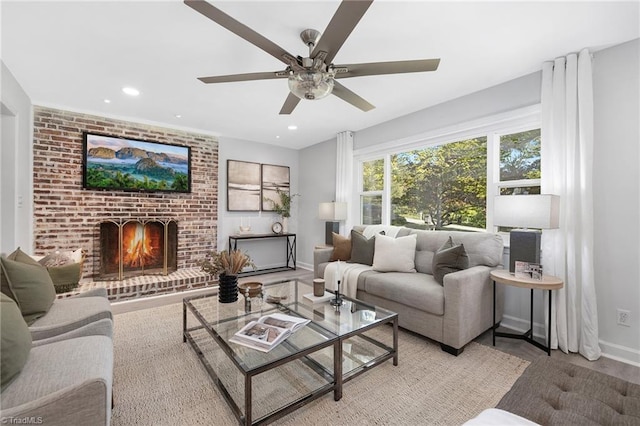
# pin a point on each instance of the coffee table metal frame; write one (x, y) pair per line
(335, 379)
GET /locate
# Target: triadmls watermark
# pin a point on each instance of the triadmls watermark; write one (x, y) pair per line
(26, 420)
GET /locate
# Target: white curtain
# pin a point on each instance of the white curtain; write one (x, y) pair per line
(344, 174)
(567, 153)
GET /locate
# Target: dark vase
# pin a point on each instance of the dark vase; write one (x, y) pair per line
(228, 288)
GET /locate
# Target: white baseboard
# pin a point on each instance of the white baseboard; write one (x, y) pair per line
(620, 353)
(302, 265)
(521, 325)
(609, 350)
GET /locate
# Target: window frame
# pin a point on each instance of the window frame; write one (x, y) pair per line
(491, 127)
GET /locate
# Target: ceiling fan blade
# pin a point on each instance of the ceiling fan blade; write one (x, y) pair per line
(289, 104)
(239, 29)
(396, 67)
(347, 95)
(242, 77)
(341, 25)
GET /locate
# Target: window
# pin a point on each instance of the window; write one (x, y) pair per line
(519, 165)
(448, 181)
(440, 187)
(372, 189)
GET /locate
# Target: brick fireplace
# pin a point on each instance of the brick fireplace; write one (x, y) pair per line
(68, 217)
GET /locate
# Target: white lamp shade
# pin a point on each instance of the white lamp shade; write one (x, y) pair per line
(527, 211)
(332, 211)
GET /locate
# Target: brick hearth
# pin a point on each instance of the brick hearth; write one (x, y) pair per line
(149, 285)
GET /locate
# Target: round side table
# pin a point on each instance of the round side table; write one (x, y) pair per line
(547, 282)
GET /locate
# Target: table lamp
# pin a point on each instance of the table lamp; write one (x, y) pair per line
(524, 212)
(333, 213)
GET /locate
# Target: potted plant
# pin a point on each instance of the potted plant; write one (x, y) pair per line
(283, 207)
(226, 265)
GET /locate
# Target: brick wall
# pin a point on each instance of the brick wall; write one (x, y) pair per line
(68, 217)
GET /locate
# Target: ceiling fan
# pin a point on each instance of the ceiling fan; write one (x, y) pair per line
(312, 77)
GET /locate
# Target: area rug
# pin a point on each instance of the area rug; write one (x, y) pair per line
(158, 380)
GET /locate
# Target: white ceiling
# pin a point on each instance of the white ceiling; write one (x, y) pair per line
(75, 54)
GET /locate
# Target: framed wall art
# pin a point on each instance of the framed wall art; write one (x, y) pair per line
(273, 178)
(243, 186)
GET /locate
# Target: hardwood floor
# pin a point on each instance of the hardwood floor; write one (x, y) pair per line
(514, 347)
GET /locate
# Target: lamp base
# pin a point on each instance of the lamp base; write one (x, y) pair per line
(524, 247)
(330, 228)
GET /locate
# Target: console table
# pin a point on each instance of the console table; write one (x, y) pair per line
(290, 250)
(547, 282)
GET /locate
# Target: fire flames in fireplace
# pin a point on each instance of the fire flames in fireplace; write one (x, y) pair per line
(142, 246)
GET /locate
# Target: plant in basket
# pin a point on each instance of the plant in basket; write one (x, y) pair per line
(226, 265)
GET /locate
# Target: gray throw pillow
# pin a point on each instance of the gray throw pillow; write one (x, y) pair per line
(16, 341)
(449, 258)
(32, 287)
(362, 249)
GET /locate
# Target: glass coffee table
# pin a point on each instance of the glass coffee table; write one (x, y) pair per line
(338, 344)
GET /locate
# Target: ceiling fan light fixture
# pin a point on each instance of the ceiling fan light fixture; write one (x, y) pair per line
(311, 85)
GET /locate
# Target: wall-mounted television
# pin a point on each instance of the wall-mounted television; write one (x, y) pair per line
(117, 163)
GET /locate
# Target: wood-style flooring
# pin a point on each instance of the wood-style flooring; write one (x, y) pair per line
(514, 347)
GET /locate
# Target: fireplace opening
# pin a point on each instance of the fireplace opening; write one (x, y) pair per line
(130, 247)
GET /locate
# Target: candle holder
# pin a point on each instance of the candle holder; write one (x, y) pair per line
(337, 301)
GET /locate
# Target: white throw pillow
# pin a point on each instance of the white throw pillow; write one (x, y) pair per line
(395, 254)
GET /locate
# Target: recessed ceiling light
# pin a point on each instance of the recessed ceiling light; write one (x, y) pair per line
(107, 101)
(178, 116)
(277, 136)
(131, 91)
(292, 127)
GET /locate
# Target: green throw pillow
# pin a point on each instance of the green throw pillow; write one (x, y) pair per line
(65, 278)
(362, 249)
(16, 341)
(19, 256)
(32, 287)
(449, 258)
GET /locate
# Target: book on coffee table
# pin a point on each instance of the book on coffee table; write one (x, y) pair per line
(268, 331)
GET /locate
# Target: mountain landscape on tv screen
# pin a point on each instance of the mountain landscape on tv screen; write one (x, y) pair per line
(114, 166)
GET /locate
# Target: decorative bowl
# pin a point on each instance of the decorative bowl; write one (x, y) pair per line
(245, 229)
(254, 288)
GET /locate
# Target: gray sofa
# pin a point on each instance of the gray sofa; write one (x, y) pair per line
(453, 313)
(68, 373)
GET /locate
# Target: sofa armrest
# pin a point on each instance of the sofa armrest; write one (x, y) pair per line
(468, 299)
(320, 255)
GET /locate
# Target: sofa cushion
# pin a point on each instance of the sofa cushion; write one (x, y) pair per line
(32, 287)
(77, 391)
(341, 247)
(449, 258)
(419, 291)
(362, 248)
(70, 313)
(481, 247)
(394, 254)
(16, 340)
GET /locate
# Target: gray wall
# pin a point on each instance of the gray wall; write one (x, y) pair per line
(616, 184)
(317, 184)
(268, 252)
(16, 180)
(514, 94)
(616, 181)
